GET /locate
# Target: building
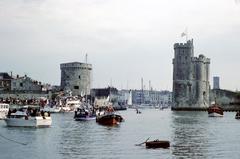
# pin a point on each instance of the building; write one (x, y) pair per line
(5, 81)
(216, 82)
(191, 87)
(76, 77)
(151, 97)
(104, 96)
(25, 84)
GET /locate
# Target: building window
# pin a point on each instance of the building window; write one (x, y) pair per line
(76, 87)
(21, 84)
(79, 77)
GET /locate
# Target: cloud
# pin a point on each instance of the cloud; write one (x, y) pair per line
(125, 40)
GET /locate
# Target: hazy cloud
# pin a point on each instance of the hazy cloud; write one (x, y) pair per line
(125, 40)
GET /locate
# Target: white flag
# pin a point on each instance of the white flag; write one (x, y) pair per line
(183, 34)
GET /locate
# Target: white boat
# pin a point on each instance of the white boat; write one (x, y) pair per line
(4, 108)
(53, 109)
(71, 105)
(23, 119)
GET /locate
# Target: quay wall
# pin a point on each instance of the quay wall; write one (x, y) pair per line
(25, 95)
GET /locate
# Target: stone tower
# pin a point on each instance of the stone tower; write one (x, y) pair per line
(76, 76)
(190, 78)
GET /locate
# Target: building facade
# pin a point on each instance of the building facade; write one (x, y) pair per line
(216, 82)
(25, 84)
(76, 77)
(146, 97)
(5, 81)
(191, 87)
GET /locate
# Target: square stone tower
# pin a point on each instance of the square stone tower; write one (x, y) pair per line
(191, 86)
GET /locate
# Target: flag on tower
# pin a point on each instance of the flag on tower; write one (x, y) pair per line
(183, 34)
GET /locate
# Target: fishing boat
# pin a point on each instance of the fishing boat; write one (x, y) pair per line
(4, 108)
(215, 110)
(108, 117)
(237, 116)
(84, 114)
(28, 117)
(157, 144)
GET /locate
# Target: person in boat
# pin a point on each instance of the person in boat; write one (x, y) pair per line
(110, 109)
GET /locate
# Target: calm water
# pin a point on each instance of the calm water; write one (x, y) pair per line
(192, 135)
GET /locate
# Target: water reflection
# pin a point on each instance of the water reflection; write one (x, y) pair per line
(189, 134)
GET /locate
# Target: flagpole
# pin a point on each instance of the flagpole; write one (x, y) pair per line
(186, 34)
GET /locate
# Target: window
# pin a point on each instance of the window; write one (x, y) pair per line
(76, 87)
(79, 77)
(21, 84)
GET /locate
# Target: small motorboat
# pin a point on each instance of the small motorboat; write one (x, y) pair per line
(138, 111)
(157, 144)
(109, 117)
(28, 117)
(215, 110)
(82, 114)
(237, 116)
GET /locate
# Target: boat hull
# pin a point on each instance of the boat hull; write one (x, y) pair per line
(3, 115)
(214, 114)
(157, 144)
(108, 120)
(30, 122)
(52, 110)
(85, 118)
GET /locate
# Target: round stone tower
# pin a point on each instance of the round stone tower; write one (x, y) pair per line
(76, 76)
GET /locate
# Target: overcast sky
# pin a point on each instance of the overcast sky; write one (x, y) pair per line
(125, 39)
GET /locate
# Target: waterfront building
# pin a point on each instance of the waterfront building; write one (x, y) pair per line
(216, 82)
(105, 96)
(76, 77)
(25, 83)
(5, 81)
(190, 78)
(151, 97)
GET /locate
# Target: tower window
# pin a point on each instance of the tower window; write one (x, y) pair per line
(79, 77)
(76, 87)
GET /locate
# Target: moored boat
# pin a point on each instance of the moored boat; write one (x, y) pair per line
(53, 109)
(108, 117)
(157, 144)
(237, 116)
(215, 110)
(83, 114)
(28, 117)
(4, 108)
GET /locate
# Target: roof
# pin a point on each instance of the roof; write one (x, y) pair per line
(5, 75)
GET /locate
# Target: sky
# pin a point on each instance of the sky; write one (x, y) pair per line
(125, 40)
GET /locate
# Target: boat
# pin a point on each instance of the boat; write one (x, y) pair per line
(71, 105)
(52, 109)
(84, 114)
(237, 116)
(215, 110)
(28, 117)
(108, 117)
(138, 111)
(157, 144)
(4, 108)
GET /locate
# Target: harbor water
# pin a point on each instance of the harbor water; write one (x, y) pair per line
(191, 134)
